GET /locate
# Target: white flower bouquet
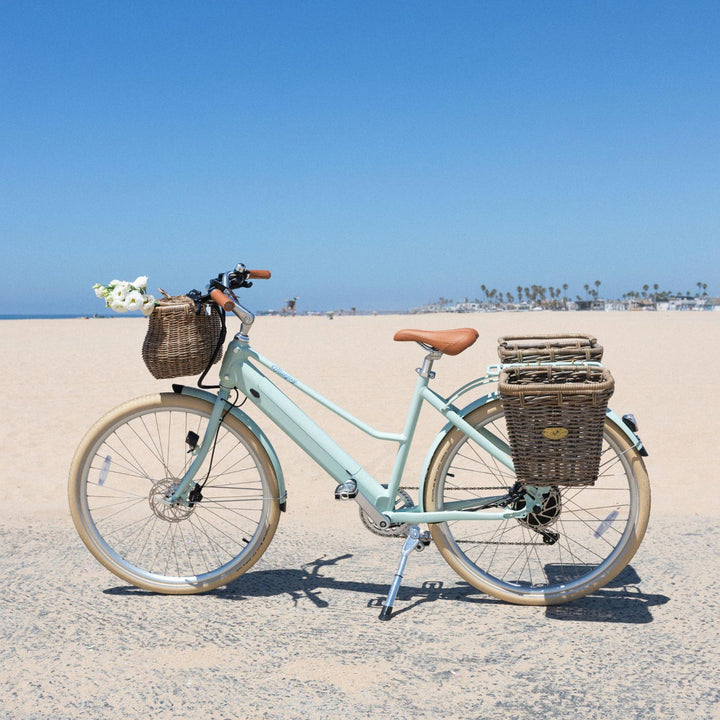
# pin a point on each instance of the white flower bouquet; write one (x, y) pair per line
(122, 296)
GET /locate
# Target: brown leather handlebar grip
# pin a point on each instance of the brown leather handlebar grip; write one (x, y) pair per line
(222, 299)
(258, 274)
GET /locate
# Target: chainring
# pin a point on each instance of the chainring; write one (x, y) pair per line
(403, 500)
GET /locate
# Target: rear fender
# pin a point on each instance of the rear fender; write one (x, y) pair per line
(439, 438)
(613, 416)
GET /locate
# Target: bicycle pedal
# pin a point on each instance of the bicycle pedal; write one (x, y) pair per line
(346, 491)
(423, 540)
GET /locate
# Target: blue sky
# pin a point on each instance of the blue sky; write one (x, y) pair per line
(376, 154)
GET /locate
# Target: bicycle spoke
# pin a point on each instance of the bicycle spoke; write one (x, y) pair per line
(563, 542)
(135, 466)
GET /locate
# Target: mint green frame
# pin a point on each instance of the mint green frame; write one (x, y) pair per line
(238, 371)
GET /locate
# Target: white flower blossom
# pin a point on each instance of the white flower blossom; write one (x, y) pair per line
(120, 291)
(118, 306)
(134, 300)
(122, 296)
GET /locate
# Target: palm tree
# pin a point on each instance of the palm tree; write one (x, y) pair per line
(485, 290)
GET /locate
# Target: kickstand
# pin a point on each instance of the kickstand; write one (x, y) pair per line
(415, 541)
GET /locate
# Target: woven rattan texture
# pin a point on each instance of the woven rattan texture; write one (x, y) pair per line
(555, 419)
(548, 348)
(179, 342)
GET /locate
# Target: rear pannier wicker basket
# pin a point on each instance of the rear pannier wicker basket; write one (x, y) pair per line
(555, 418)
(179, 342)
(548, 348)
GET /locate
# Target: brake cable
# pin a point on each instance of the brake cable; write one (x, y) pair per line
(195, 494)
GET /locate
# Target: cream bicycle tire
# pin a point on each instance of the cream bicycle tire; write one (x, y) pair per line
(128, 462)
(600, 527)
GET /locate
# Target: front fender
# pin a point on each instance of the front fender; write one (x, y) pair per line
(251, 425)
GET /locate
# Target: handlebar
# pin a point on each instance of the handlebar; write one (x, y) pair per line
(239, 277)
(259, 274)
(227, 282)
(225, 302)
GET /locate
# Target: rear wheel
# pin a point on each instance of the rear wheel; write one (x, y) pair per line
(577, 541)
(133, 459)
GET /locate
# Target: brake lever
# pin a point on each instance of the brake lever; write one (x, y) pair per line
(196, 296)
(237, 278)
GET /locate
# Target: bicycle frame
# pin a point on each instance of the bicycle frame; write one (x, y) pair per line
(173, 512)
(378, 500)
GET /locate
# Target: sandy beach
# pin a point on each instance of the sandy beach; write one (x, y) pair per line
(298, 636)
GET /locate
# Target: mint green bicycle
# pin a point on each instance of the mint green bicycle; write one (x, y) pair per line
(181, 492)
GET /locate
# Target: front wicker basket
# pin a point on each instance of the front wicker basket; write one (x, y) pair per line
(179, 342)
(549, 348)
(555, 418)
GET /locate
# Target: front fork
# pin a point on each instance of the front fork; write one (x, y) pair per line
(199, 452)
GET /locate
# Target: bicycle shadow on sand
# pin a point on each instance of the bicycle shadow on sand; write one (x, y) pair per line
(621, 601)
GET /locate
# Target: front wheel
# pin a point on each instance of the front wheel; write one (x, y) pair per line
(131, 461)
(577, 541)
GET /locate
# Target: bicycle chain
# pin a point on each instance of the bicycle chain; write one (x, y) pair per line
(494, 542)
(409, 487)
(478, 542)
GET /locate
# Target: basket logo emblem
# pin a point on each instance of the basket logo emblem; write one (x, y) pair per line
(555, 433)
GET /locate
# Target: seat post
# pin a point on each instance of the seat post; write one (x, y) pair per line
(426, 370)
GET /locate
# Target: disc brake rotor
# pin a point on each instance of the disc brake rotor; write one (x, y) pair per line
(159, 493)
